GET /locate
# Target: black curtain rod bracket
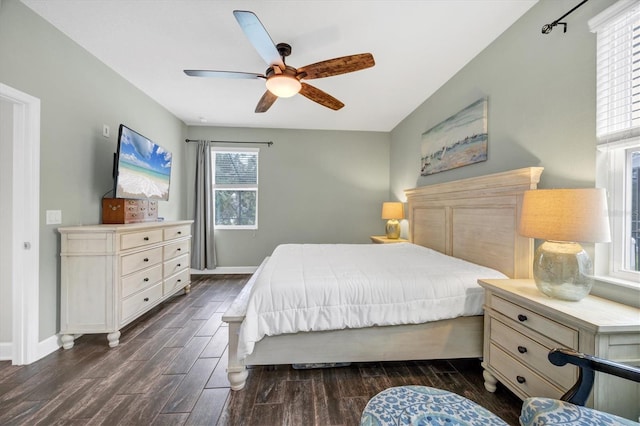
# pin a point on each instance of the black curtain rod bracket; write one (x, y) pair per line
(268, 143)
(546, 28)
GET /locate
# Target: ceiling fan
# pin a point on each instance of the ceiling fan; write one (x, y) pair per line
(282, 80)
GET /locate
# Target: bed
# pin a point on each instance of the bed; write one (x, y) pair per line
(472, 219)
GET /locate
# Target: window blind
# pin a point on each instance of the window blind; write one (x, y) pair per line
(236, 168)
(618, 71)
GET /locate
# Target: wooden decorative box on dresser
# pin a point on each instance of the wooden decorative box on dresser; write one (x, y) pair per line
(112, 274)
(521, 325)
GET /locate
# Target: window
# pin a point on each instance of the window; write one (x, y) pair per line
(618, 133)
(235, 186)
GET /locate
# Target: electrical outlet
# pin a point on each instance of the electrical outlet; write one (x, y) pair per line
(106, 131)
(54, 217)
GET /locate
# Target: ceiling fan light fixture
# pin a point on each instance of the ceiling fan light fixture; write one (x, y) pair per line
(283, 86)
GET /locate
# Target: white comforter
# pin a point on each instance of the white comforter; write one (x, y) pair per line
(312, 287)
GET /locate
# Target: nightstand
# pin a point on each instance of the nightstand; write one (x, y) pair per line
(381, 239)
(521, 325)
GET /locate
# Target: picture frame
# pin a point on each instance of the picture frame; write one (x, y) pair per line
(458, 141)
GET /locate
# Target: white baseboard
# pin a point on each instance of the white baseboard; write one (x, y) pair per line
(53, 343)
(48, 345)
(5, 351)
(45, 347)
(225, 270)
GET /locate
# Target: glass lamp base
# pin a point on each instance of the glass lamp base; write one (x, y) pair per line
(563, 270)
(393, 229)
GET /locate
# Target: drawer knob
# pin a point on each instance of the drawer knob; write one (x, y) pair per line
(522, 349)
(522, 318)
(521, 379)
(178, 265)
(146, 280)
(179, 249)
(179, 232)
(179, 280)
(146, 238)
(146, 299)
(146, 259)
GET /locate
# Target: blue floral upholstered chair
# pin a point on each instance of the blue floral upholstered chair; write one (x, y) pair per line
(422, 405)
(425, 406)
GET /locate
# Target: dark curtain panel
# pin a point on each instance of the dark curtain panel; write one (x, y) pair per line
(203, 255)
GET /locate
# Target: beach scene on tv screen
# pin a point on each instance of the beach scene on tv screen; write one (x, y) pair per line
(144, 168)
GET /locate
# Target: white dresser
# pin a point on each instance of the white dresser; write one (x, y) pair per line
(521, 325)
(112, 274)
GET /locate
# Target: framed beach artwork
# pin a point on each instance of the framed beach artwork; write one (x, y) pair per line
(458, 141)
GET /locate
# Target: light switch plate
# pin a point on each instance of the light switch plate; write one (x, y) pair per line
(54, 217)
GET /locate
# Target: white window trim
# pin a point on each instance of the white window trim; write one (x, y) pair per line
(611, 166)
(237, 186)
(612, 281)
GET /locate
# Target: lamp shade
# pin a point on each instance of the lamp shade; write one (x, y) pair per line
(392, 210)
(576, 215)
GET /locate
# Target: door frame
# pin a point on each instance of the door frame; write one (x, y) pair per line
(25, 233)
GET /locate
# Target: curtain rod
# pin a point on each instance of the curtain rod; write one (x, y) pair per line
(268, 143)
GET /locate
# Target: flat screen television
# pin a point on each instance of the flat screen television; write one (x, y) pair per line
(142, 168)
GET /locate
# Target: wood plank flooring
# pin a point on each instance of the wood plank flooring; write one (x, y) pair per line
(169, 369)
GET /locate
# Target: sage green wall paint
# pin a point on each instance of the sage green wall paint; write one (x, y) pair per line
(542, 109)
(541, 91)
(315, 187)
(78, 95)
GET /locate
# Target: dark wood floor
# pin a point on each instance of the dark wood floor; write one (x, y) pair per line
(169, 369)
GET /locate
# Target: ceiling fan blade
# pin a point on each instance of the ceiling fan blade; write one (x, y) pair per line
(223, 74)
(337, 66)
(266, 101)
(323, 98)
(259, 37)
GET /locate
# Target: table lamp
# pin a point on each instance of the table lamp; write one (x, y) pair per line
(564, 217)
(392, 211)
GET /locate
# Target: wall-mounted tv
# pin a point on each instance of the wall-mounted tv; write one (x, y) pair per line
(142, 167)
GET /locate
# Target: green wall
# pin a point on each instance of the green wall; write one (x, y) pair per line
(78, 95)
(541, 91)
(315, 187)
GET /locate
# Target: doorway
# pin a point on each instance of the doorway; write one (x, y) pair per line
(19, 225)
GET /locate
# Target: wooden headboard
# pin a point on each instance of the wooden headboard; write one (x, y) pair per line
(476, 219)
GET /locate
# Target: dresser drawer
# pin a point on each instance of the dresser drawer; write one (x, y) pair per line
(531, 353)
(176, 249)
(140, 239)
(175, 265)
(177, 232)
(564, 335)
(520, 377)
(141, 260)
(141, 279)
(140, 302)
(178, 280)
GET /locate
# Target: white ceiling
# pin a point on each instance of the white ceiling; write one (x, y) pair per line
(417, 46)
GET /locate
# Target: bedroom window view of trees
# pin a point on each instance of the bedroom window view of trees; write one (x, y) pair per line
(235, 185)
(618, 132)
